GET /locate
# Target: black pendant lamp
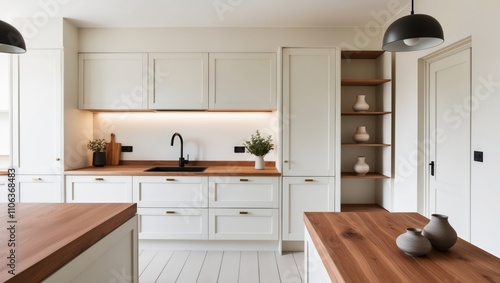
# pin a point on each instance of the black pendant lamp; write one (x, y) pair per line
(11, 40)
(413, 32)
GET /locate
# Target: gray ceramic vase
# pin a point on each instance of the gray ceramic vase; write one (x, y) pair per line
(413, 243)
(440, 233)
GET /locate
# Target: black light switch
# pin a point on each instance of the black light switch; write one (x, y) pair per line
(239, 149)
(478, 156)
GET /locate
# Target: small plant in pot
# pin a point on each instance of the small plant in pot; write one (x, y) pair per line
(98, 146)
(259, 146)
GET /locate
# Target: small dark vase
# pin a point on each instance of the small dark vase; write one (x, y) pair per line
(99, 159)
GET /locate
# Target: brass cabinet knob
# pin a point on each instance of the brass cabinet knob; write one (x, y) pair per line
(285, 161)
(58, 159)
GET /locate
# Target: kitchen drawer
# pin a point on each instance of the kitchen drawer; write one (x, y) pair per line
(171, 191)
(39, 188)
(173, 223)
(247, 192)
(98, 189)
(243, 224)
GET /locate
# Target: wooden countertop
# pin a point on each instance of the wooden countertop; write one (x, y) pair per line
(361, 247)
(214, 168)
(50, 235)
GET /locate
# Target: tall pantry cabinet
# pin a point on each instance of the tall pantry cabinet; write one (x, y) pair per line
(46, 127)
(310, 136)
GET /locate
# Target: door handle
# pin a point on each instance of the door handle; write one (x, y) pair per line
(432, 167)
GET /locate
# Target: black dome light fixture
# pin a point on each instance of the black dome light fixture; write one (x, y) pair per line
(413, 32)
(11, 40)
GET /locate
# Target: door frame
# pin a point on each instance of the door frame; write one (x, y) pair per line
(424, 149)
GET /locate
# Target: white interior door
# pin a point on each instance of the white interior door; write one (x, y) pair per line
(449, 131)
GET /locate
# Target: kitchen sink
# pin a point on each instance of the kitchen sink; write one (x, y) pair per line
(175, 169)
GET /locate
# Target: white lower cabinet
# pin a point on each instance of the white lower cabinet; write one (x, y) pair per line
(303, 194)
(244, 208)
(243, 224)
(200, 207)
(252, 192)
(4, 189)
(98, 188)
(173, 223)
(172, 207)
(171, 191)
(39, 188)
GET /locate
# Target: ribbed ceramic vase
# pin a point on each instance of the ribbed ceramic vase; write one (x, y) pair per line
(360, 167)
(413, 243)
(361, 135)
(259, 162)
(360, 105)
(440, 233)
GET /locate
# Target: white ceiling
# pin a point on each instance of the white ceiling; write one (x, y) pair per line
(201, 13)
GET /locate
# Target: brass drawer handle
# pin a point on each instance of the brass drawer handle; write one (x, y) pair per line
(243, 180)
(170, 212)
(243, 212)
(37, 179)
(309, 180)
(99, 179)
(170, 180)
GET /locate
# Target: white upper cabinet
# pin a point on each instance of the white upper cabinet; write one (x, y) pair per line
(242, 81)
(179, 81)
(310, 85)
(37, 112)
(113, 81)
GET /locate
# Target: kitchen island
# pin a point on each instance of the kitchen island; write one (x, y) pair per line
(68, 242)
(361, 247)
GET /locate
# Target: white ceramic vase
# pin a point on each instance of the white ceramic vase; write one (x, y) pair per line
(361, 135)
(360, 167)
(413, 243)
(440, 233)
(259, 162)
(360, 105)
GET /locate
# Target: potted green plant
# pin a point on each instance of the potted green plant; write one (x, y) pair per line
(98, 146)
(259, 146)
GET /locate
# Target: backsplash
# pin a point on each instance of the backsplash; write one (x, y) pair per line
(206, 135)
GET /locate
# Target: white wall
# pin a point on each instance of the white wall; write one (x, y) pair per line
(206, 135)
(459, 19)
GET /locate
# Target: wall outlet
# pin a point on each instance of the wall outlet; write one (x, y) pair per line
(127, 148)
(478, 156)
(239, 149)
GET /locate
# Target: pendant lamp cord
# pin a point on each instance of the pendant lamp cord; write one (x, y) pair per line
(412, 7)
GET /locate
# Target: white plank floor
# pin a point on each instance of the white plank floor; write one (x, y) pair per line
(220, 267)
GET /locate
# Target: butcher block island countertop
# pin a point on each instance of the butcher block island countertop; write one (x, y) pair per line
(214, 168)
(48, 236)
(361, 247)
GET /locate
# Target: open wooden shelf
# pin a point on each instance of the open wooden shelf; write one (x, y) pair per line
(361, 54)
(363, 82)
(361, 208)
(365, 144)
(369, 175)
(371, 113)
